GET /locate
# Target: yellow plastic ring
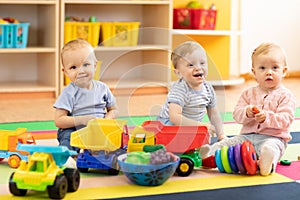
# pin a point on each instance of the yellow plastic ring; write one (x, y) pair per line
(225, 160)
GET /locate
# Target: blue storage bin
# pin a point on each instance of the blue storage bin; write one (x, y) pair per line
(14, 35)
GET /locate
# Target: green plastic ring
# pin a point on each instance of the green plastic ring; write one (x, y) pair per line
(285, 162)
(225, 160)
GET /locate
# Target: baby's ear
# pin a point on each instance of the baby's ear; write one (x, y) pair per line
(176, 71)
(284, 71)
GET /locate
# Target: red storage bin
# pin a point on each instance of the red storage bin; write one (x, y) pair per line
(189, 18)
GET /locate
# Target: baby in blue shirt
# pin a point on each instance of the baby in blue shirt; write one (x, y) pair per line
(84, 98)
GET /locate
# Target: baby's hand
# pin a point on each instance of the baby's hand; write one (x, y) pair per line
(83, 120)
(211, 130)
(260, 117)
(251, 111)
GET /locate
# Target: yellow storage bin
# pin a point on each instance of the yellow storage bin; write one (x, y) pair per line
(88, 31)
(120, 33)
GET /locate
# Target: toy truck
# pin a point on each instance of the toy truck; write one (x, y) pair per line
(45, 171)
(8, 144)
(182, 140)
(102, 141)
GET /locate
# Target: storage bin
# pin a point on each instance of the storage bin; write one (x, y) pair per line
(14, 35)
(120, 33)
(189, 18)
(88, 31)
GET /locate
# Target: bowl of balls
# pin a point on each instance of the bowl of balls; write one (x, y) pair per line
(148, 169)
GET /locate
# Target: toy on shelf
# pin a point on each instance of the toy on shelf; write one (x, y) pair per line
(45, 171)
(195, 16)
(13, 34)
(8, 146)
(102, 141)
(181, 140)
(240, 158)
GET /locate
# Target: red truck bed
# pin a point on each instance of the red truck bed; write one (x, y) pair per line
(178, 139)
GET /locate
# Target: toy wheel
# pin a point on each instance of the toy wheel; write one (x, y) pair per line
(224, 159)
(73, 178)
(14, 161)
(59, 189)
(231, 159)
(219, 161)
(83, 170)
(249, 157)
(238, 159)
(13, 187)
(185, 167)
(115, 169)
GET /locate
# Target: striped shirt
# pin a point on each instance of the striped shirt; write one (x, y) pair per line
(193, 102)
(279, 106)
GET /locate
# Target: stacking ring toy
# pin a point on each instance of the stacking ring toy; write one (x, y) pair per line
(231, 160)
(238, 159)
(249, 157)
(225, 161)
(219, 161)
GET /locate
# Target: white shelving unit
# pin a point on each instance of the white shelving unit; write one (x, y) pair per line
(32, 70)
(129, 69)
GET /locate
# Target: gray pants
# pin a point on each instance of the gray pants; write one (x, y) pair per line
(259, 141)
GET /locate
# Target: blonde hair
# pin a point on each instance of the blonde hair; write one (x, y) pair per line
(265, 48)
(74, 45)
(184, 49)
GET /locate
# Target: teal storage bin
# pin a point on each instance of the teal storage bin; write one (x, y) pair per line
(14, 35)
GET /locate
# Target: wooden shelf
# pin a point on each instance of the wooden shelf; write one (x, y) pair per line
(135, 66)
(32, 71)
(28, 2)
(133, 48)
(29, 50)
(206, 32)
(22, 86)
(132, 2)
(229, 82)
(137, 87)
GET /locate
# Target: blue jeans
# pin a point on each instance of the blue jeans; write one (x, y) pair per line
(63, 137)
(165, 121)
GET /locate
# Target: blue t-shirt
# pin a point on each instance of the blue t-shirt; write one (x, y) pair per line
(80, 101)
(193, 102)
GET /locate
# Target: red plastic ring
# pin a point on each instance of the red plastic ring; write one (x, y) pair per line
(249, 157)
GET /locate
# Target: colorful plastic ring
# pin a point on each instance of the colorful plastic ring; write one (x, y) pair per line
(238, 159)
(231, 160)
(219, 161)
(249, 157)
(225, 161)
(285, 162)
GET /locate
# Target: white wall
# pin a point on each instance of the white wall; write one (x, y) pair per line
(270, 21)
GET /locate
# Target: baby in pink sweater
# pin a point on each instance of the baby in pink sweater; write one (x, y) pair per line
(265, 111)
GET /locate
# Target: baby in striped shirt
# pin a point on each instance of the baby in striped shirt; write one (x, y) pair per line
(191, 97)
